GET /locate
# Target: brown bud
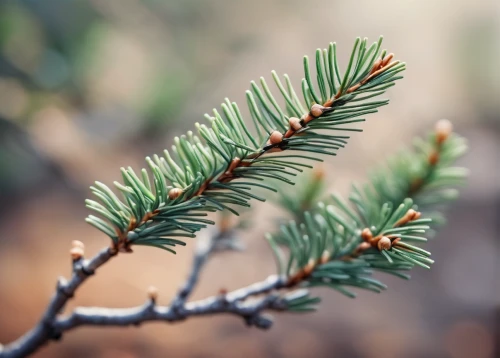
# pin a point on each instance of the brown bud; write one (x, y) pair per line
(152, 293)
(443, 130)
(76, 253)
(131, 224)
(174, 193)
(366, 234)
(362, 247)
(433, 158)
(275, 138)
(76, 243)
(317, 110)
(384, 243)
(294, 123)
(417, 215)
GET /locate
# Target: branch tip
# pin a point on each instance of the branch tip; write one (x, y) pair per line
(152, 293)
(76, 253)
(443, 130)
(77, 243)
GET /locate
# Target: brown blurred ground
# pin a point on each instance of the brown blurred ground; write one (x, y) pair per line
(450, 47)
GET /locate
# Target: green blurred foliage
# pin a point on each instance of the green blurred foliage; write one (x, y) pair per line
(61, 52)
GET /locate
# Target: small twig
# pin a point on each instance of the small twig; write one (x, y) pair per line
(47, 329)
(204, 246)
(97, 316)
(232, 303)
(211, 241)
(443, 131)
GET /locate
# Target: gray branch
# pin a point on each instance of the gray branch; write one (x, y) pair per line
(241, 302)
(212, 240)
(250, 310)
(205, 244)
(46, 328)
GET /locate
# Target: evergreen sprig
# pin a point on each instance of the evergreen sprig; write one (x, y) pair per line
(339, 245)
(424, 173)
(219, 168)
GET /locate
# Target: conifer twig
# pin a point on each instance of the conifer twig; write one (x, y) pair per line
(337, 245)
(52, 326)
(46, 328)
(219, 168)
(348, 262)
(204, 246)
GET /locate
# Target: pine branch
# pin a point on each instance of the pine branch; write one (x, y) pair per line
(340, 245)
(218, 169)
(337, 245)
(424, 173)
(332, 247)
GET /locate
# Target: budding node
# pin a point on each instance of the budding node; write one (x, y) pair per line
(174, 193)
(366, 234)
(433, 158)
(76, 243)
(76, 253)
(384, 243)
(152, 293)
(275, 138)
(317, 110)
(294, 123)
(443, 130)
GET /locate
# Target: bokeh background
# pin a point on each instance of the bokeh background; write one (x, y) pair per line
(89, 86)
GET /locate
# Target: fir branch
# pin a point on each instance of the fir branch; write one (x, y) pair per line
(424, 173)
(218, 169)
(340, 245)
(337, 245)
(332, 247)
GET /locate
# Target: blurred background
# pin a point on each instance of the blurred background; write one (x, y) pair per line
(89, 86)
